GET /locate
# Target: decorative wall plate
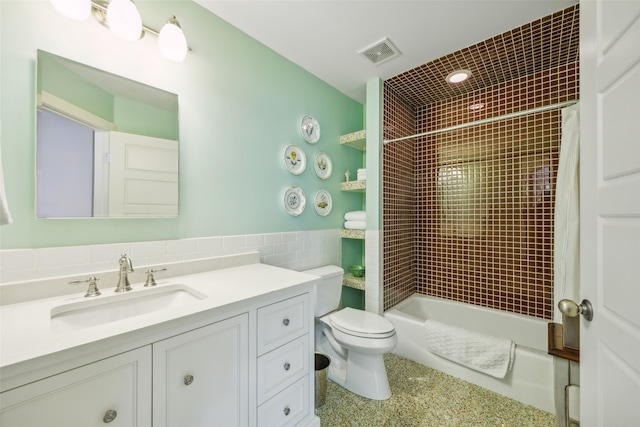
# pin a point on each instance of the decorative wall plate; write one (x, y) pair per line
(294, 200)
(310, 129)
(294, 159)
(322, 202)
(322, 165)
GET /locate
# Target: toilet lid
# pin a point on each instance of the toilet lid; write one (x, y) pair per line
(351, 321)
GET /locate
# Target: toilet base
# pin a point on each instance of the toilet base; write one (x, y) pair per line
(364, 375)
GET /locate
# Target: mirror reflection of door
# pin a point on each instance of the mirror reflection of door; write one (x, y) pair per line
(82, 172)
(65, 158)
(107, 146)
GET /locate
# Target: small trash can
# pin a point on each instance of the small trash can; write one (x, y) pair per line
(322, 364)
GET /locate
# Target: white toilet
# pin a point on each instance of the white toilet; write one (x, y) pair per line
(354, 339)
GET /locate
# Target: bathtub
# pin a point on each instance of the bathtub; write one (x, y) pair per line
(531, 379)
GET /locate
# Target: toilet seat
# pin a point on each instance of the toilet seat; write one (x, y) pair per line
(362, 324)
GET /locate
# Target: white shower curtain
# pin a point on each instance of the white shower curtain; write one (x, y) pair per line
(567, 213)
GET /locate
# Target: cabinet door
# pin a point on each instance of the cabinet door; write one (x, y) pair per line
(200, 378)
(116, 391)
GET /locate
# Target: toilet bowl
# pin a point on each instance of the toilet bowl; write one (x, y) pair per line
(355, 340)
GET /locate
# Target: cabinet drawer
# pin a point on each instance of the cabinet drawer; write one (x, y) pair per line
(286, 408)
(115, 390)
(282, 322)
(282, 367)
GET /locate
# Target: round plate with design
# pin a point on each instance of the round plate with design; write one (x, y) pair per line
(310, 129)
(294, 200)
(294, 159)
(322, 165)
(322, 202)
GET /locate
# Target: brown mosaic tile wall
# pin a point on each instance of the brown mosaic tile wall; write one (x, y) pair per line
(540, 45)
(485, 205)
(483, 198)
(484, 195)
(399, 202)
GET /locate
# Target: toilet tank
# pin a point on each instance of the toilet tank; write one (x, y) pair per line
(327, 292)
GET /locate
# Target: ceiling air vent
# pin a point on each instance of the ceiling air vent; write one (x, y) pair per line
(380, 52)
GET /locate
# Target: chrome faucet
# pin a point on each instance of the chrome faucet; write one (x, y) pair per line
(126, 267)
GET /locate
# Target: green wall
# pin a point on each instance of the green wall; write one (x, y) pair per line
(240, 106)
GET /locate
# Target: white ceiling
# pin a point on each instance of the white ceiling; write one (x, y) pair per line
(325, 36)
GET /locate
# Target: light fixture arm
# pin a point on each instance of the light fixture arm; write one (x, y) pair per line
(99, 12)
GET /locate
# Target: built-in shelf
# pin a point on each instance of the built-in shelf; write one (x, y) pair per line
(352, 234)
(352, 281)
(355, 140)
(356, 186)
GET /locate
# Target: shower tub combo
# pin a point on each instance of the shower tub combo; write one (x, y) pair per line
(531, 379)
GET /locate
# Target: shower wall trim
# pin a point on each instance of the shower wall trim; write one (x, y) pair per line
(483, 121)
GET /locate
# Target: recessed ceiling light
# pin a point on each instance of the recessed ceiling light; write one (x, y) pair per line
(477, 106)
(458, 76)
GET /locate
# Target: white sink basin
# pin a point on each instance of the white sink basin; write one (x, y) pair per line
(105, 309)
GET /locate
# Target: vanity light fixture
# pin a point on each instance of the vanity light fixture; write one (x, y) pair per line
(123, 19)
(458, 76)
(172, 42)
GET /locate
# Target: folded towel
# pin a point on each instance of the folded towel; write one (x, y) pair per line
(355, 216)
(483, 353)
(355, 225)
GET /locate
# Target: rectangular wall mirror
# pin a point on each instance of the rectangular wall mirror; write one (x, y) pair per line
(106, 146)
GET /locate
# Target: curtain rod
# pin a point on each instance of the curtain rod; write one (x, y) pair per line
(483, 121)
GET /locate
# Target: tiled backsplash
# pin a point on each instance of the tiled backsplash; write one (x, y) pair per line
(293, 250)
(471, 210)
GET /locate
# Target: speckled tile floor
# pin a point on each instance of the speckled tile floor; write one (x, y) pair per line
(424, 397)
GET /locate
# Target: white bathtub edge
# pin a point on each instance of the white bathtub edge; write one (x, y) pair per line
(530, 381)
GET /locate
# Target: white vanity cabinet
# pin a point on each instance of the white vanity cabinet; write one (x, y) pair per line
(202, 375)
(284, 351)
(242, 356)
(115, 391)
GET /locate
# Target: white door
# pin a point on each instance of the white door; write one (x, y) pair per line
(610, 211)
(143, 176)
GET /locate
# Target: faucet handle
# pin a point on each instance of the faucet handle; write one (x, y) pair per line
(151, 281)
(93, 290)
(125, 261)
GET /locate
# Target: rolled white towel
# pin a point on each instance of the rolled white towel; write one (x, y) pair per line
(355, 216)
(355, 225)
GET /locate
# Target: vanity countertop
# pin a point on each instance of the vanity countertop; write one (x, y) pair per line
(26, 333)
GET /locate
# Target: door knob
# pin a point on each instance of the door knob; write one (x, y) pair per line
(571, 309)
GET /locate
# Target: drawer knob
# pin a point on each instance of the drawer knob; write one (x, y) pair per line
(287, 410)
(188, 379)
(286, 321)
(287, 366)
(109, 416)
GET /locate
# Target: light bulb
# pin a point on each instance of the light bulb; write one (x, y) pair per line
(74, 9)
(458, 76)
(124, 19)
(172, 42)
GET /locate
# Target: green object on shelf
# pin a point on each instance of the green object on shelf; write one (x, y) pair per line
(357, 270)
